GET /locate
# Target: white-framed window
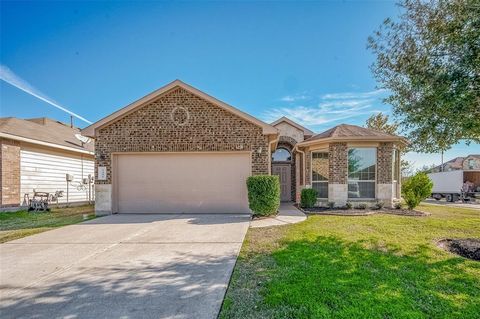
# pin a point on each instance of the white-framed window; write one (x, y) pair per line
(362, 167)
(320, 173)
(471, 163)
(395, 171)
(281, 155)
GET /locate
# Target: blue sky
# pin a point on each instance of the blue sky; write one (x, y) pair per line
(305, 60)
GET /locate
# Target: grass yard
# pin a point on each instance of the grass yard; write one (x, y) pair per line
(380, 266)
(14, 225)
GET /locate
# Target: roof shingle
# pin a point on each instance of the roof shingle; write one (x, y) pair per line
(45, 130)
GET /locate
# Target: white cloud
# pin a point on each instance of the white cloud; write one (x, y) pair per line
(329, 108)
(294, 98)
(11, 78)
(353, 95)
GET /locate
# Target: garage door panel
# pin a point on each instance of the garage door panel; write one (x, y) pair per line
(182, 183)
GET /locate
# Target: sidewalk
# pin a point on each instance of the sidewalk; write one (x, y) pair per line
(287, 214)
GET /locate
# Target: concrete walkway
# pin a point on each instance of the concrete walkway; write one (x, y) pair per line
(287, 214)
(123, 266)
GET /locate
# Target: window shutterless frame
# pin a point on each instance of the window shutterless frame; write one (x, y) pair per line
(311, 170)
(374, 181)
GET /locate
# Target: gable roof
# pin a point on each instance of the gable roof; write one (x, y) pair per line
(44, 131)
(90, 130)
(456, 163)
(347, 132)
(285, 119)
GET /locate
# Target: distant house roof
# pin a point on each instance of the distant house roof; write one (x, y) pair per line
(454, 164)
(347, 132)
(44, 131)
(285, 119)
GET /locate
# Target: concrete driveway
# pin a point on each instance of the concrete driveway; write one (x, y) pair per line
(122, 266)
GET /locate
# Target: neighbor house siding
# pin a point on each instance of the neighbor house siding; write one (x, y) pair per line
(45, 170)
(209, 128)
(9, 172)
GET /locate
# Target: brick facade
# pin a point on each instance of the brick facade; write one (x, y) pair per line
(338, 159)
(180, 121)
(9, 173)
(384, 163)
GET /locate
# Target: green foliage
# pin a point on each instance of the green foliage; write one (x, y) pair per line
(263, 194)
(398, 205)
(348, 205)
(379, 122)
(429, 60)
(378, 205)
(308, 197)
(361, 206)
(416, 188)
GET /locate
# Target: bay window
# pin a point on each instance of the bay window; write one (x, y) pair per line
(320, 173)
(362, 172)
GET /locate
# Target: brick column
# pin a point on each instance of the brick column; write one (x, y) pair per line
(385, 191)
(10, 173)
(337, 173)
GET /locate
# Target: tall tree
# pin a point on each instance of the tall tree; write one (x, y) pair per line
(429, 59)
(380, 123)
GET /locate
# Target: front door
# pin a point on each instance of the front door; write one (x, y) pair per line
(284, 172)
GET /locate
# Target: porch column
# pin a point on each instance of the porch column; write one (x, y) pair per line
(385, 191)
(337, 173)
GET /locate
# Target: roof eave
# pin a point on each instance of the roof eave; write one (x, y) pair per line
(397, 139)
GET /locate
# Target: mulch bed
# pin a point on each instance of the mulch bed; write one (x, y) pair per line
(467, 248)
(362, 212)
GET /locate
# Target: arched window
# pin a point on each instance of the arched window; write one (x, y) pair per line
(281, 155)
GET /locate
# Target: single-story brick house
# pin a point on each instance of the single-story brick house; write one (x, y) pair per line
(36, 155)
(181, 150)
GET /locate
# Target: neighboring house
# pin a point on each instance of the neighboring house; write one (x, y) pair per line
(451, 165)
(471, 162)
(179, 150)
(36, 154)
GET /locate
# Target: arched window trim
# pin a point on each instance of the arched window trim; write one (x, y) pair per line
(289, 158)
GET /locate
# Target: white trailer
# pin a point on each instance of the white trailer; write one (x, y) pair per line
(450, 185)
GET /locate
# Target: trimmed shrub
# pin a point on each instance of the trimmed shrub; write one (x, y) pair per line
(308, 197)
(361, 206)
(378, 205)
(348, 205)
(263, 194)
(398, 205)
(416, 189)
(331, 205)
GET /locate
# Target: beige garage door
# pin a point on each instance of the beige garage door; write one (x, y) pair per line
(182, 182)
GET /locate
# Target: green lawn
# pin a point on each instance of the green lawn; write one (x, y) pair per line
(380, 266)
(14, 225)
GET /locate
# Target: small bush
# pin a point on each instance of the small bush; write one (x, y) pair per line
(308, 197)
(378, 205)
(416, 189)
(348, 205)
(331, 205)
(263, 194)
(398, 205)
(361, 206)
